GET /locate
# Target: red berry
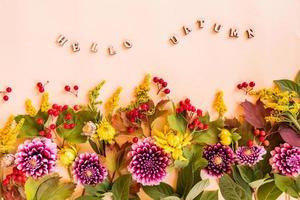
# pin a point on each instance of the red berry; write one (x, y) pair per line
(130, 129)
(261, 138)
(72, 125)
(135, 139)
(47, 130)
(76, 107)
(187, 101)
(41, 89)
(251, 84)
(244, 84)
(144, 107)
(193, 109)
(196, 122)
(66, 126)
(48, 135)
(55, 113)
(201, 126)
(239, 86)
(67, 88)
(262, 133)
(167, 91)
(250, 143)
(55, 106)
(42, 133)
(52, 126)
(205, 127)
(68, 116)
(50, 112)
(161, 81)
(65, 107)
(191, 126)
(155, 79)
(266, 143)
(199, 112)
(5, 182)
(256, 132)
(164, 84)
(76, 87)
(40, 121)
(5, 98)
(8, 89)
(39, 84)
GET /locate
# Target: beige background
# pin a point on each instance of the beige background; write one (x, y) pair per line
(200, 64)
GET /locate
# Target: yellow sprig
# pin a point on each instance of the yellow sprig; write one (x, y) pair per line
(30, 109)
(113, 102)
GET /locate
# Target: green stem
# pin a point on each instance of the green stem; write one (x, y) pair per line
(294, 121)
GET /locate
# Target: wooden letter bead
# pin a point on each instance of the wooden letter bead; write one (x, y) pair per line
(94, 47)
(217, 27)
(233, 32)
(250, 33)
(61, 40)
(111, 50)
(200, 23)
(127, 44)
(174, 39)
(75, 47)
(186, 30)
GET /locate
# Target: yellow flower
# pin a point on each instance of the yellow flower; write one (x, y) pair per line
(8, 134)
(172, 141)
(219, 104)
(30, 109)
(106, 131)
(112, 102)
(141, 92)
(67, 155)
(225, 137)
(45, 105)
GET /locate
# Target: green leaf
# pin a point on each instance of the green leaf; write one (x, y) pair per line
(97, 190)
(49, 183)
(157, 192)
(298, 182)
(171, 198)
(246, 173)
(59, 192)
(197, 189)
(240, 181)
(32, 185)
(120, 188)
(286, 184)
(297, 79)
(30, 127)
(209, 195)
(209, 136)
(230, 190)
(185, 180)
(177, 123)
(268, 191)
(94, 146)
(87, 197)
(288, 85)
(259, 182)
(236, 137)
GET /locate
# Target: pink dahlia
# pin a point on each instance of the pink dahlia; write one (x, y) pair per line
(220, 159)
(148, 162)
(87, 169)
(250, 155)
(36, 157)
(286, 160)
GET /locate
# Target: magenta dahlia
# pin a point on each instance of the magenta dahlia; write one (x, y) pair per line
(36, 157)
(220, 159)
(87, 169)
(148, 162)
(250, 155)
(286, 160)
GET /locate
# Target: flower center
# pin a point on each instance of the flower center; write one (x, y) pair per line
(247, 152)
(217, 160)
(89, 173)
(32, 162)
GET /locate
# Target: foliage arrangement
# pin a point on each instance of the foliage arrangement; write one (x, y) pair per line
(133, 148)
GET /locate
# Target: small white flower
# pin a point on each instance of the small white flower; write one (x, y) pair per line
(7, 160)
(89, 129)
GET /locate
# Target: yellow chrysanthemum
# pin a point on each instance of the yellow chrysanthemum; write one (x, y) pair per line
(172, 141)
(225, 137)
(30, 109)
(67, 155)
(141, 92)
(45, 105)
(113, 102)
(8, 135)
(106, 131)
(219, 104)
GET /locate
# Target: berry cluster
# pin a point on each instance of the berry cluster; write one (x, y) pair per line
(57, 109)
(246, 87)
(161, 85)
(73, 90)
(136, 115)
(261, 134)
(16, 177)
(191, 114)
(5, 93)
(41, 86)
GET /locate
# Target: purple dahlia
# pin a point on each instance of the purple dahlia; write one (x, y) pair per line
(36, 157)
(87, 169)
(148, 162)
(220, 159)
(250, 155)
(286, 160)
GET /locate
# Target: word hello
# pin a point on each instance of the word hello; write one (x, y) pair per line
(75, 47)
(217, 28)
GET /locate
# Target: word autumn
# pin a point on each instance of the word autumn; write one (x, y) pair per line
(75, 47)
(200, 24)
